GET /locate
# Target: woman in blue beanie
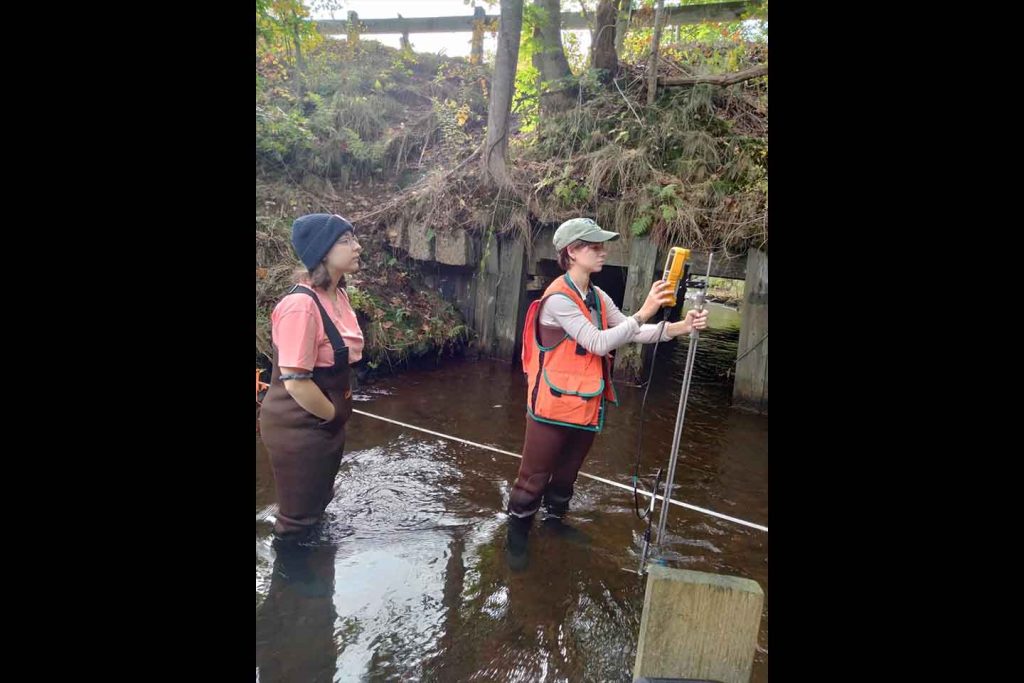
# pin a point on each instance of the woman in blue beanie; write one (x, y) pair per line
(316, 337)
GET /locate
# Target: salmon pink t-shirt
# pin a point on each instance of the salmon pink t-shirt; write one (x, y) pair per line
(296, 322)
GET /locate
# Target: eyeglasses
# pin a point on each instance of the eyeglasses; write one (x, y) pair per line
(598, 246)
(348, 240)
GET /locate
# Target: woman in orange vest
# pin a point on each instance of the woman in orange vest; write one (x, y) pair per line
(568, 335)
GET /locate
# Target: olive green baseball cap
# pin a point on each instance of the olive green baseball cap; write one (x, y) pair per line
(581, 229)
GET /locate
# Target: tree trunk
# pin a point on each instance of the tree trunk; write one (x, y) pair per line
(502, 87)
(551, 62)
(622, 24)
(300, 62)
(476, 54)
(605, 57)
(652, 67)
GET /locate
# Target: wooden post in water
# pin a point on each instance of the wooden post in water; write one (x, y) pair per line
(698, 625)
(750, 390)
(643, 264)
(500, 297)
(487, 294)
(510, 295)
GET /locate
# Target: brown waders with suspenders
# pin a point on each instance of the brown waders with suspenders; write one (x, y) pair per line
(305, 451)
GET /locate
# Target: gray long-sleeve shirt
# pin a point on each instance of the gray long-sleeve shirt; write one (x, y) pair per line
(561, 311)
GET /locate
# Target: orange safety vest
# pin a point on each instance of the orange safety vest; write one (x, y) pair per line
(566, 384)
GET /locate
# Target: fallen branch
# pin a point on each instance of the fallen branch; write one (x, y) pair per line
(719, 79)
